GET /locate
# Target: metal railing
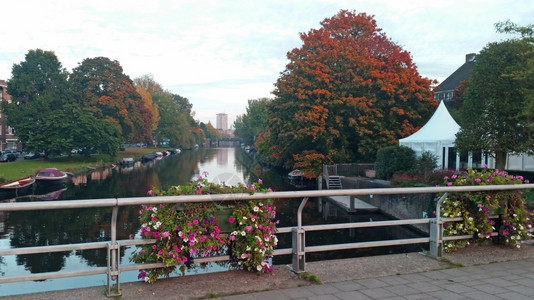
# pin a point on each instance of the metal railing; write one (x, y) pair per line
(297, 251)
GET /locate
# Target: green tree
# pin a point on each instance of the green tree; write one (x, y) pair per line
(497, 116)
(45, 115)
(345, 93)
(254, 121)
(176, 123)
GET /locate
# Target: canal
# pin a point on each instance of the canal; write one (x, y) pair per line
(231, 165)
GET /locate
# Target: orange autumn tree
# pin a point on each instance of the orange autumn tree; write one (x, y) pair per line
(345, 93)
(102, 86)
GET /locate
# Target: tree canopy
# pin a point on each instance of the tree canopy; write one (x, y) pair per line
(176, 124)
(253, 122)
(96, 108)
(497, 115)
(345, 93)
(44, 113)
(102, 86)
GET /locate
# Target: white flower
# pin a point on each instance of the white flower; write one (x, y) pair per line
(243, 233)
(147, 279)
(248, 248)
(259, 267)
(154, 209)
(233, 233)
(446, 214)
(256, 208)
(244, 218)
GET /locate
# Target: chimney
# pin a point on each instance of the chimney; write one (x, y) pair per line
(470, 57)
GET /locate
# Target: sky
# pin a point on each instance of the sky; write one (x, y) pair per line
(220, 54)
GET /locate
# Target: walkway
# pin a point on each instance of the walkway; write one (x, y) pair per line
(489, 272)
(506, 280)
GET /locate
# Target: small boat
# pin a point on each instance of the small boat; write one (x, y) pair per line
(295, 174)
(17, 183)
(127, 161)
(148, 157)
(50, 175)
(17, 187)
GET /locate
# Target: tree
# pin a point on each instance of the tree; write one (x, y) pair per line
(210, 132)
(102, 86)
(149, 104)
(497, 114)
(345, 93)
(45, 115)
(176, 123)
(254, 121)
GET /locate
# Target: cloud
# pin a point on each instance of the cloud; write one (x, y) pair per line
(219, 54)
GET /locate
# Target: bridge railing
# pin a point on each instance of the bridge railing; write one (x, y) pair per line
(297, 251)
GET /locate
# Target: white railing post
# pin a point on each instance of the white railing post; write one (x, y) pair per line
(113, 254)
(436, 231)
(298, 242)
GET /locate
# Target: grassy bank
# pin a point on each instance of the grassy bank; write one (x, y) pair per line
(21, 168)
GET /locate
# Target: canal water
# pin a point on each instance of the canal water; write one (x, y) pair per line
(231, 165)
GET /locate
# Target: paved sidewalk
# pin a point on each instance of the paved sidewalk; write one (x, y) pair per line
(487, 272)
(505, 280)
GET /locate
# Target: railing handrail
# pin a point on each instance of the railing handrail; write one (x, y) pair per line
(298, 250)
(110, 202)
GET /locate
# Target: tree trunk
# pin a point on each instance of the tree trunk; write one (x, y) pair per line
(500, 160)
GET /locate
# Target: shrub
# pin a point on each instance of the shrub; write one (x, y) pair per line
(394, 159)
(476, 208)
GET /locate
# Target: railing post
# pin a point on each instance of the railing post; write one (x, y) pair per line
(298, 241)
(113, 254)
(436, 231)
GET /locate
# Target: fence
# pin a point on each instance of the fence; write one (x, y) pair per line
(349, 170)
(297, 251)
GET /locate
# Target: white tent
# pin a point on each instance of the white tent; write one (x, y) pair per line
(436, 137)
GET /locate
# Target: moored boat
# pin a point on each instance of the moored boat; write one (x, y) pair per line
(127, 161)
(17, 183)
(295, 174)
(50, 175)
(17, 187)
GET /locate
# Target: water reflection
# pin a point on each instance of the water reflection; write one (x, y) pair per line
(37, 228)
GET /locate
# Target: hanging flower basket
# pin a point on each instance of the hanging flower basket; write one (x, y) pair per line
(246, 229)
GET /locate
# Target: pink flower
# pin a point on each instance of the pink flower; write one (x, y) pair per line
(231, 220)
(259, 180)
(199, 192)
(149, 192)
(449, 183)
(195, 221)
(154, 246)
(248, 228)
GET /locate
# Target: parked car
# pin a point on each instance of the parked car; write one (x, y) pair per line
(11, 151)
(32, 155)
(7, 157)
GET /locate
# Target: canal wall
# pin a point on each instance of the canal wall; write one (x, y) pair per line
(399, 206)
